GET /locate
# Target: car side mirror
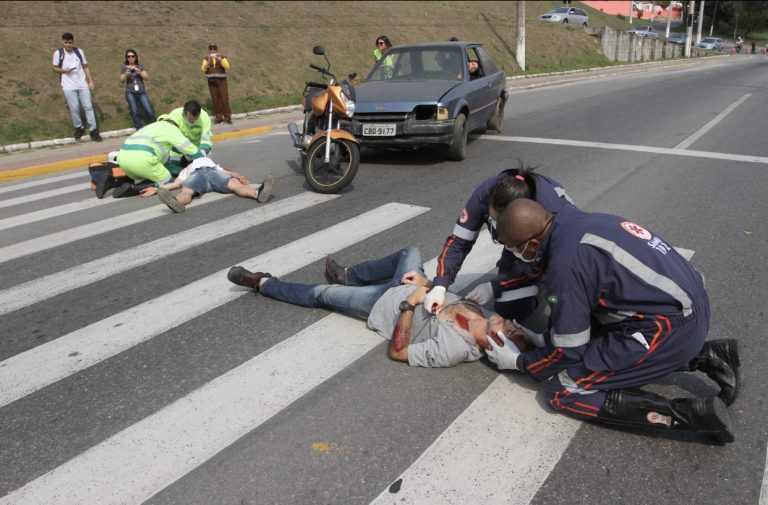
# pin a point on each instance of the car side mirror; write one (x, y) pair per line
(318, 50)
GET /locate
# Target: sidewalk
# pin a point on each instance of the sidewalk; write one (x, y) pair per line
(48, 160)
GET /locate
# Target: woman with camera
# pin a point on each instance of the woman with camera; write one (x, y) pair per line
(134, 76)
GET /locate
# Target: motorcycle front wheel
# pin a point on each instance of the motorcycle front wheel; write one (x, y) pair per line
(335, 175)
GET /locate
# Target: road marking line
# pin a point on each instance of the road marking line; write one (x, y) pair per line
(46, 180)
(764, 487)
(501, 458)
(51, 212)
(40, 366)
(50, 168)
(51, 285)
(138, 462)
(70, 235)
(704, 129)
(627, 147)
(42, 195)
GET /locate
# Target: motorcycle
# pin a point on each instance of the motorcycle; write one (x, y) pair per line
(330, 155)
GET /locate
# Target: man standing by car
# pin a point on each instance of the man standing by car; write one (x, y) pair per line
(215, 67)
(627, 309)
(72, 66)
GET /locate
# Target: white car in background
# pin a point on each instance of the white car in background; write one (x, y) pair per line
(566, 15)
(711, 43)
(648, 32)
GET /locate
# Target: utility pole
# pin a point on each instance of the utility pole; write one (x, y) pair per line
(714, 14)
(669, 18)
(701, 21)
(631, 4)
(689, 27)
(521, 34)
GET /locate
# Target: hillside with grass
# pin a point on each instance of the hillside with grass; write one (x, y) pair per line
(269, 45)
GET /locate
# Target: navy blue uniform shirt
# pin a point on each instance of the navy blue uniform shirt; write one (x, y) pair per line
(549, 193)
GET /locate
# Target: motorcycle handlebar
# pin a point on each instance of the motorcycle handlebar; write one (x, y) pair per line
(319, 69)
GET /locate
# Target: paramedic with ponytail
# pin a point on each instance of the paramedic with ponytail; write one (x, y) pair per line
(514, 290)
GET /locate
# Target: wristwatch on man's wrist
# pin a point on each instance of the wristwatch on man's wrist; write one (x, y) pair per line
(405, 306)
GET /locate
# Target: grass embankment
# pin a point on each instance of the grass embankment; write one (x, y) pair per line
(268, 43)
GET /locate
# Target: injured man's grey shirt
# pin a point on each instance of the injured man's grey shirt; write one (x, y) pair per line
(433, 343)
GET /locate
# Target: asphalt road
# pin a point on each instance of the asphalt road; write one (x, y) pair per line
(167, 385)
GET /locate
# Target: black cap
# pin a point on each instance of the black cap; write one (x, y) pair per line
(212, 46)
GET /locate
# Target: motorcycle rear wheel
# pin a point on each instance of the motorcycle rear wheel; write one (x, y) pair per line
(334, 176)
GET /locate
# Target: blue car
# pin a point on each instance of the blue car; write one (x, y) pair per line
(428, 94)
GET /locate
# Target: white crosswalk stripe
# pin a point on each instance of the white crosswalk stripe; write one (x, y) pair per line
(42, 195)
(51, 285)
(71, 235)
(8, 188)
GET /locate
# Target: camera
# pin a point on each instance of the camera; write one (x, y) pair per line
(133, 70)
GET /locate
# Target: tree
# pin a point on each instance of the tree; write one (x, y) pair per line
(745, 18)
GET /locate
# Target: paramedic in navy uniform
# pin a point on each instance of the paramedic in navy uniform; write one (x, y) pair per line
(626, 309)
(514, 290)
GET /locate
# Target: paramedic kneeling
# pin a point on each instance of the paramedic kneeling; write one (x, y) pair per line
(626, 309)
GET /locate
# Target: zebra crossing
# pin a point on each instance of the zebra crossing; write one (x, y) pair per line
(136, 463)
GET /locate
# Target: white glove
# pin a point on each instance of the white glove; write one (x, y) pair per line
(536, 339)
(204, 153)
(434, 299)
(482, 294)
(505, 357)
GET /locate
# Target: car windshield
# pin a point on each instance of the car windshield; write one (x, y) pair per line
(708, 40)
(419, 63)
(560, 10)
(676, 35)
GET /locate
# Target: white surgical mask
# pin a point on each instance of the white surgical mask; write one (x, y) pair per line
(519, 254)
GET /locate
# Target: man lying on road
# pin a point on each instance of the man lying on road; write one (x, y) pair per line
(389, 293)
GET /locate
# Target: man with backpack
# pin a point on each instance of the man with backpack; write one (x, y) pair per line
(70, 63)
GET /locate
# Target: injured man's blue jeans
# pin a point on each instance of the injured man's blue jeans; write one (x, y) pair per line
(365, 283)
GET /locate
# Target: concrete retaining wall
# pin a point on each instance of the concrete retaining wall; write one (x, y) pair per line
(621, 46)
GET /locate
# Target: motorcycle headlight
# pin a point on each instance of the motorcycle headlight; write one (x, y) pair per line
(349, 107)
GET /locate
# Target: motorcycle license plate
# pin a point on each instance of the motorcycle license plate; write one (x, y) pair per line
(379, 130)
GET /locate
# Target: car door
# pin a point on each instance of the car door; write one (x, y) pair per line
(494, 82)
(474, 90)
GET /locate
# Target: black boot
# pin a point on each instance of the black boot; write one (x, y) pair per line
(637, 408)
(719, 359)
(106, 183)
(130, 189)
(334, 273)
(242, 277)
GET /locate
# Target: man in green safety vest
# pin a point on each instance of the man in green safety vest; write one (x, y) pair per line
(195, 124)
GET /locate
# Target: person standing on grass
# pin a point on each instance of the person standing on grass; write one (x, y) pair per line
(215, 67)
(133, 75)
(72, 66)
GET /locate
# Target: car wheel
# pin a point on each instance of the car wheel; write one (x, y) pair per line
(584, 25)
(457, 150)
(496, 120)
(565, 21)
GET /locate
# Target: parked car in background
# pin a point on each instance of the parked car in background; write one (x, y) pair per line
(567, 15)
(676, 38)
(648, 32)
(424, 94)
(711, 43)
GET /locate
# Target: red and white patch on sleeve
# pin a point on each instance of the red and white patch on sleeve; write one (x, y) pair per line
(464, 216)
(636, 230)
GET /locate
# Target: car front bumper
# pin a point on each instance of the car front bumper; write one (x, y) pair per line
(409, 132)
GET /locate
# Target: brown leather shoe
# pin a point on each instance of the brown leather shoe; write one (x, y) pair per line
(242, 277)
(334, 273)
